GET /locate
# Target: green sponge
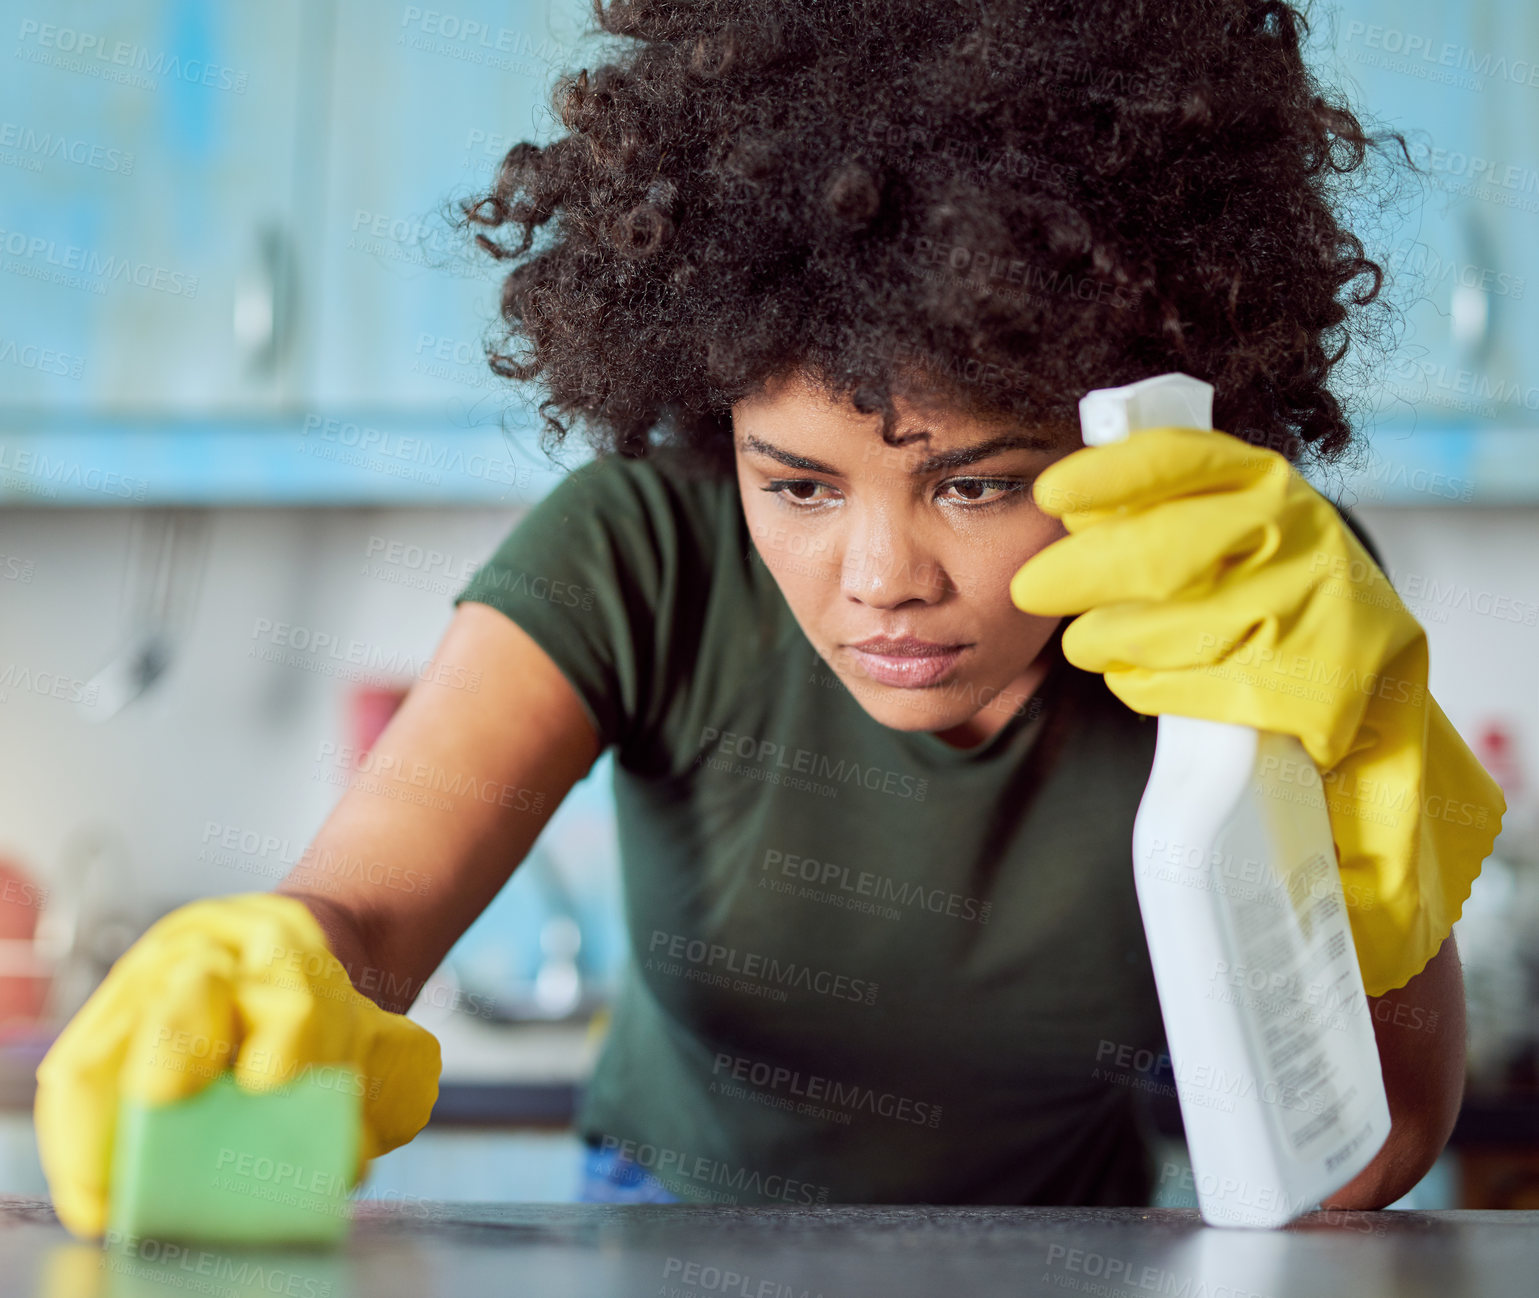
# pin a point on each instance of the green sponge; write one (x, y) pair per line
(234, 1166)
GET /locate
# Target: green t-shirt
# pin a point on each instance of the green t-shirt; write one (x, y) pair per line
(866, 966)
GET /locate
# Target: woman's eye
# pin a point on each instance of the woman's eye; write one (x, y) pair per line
(982, 491)
(804, 493)
(798, 491)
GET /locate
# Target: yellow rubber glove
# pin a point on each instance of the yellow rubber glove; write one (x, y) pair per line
(246, 982)
(1214, 582)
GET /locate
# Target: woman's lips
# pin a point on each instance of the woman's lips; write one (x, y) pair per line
(908, 663)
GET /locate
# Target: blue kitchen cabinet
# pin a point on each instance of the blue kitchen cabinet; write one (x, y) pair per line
(238, 208)
(1462, 84)
(227, 276)
(226, 230)
(152, 204)
(1508, 200)
(424, 104)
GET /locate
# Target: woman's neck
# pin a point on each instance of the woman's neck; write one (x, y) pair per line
(993, 715)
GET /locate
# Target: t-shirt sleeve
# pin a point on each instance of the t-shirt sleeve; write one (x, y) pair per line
(595, 573)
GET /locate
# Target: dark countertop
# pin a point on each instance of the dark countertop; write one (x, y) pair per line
(795, 1252)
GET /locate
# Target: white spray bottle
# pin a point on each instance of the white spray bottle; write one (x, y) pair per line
(1270, 1035)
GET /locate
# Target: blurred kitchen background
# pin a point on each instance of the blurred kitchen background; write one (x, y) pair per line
(246, 427)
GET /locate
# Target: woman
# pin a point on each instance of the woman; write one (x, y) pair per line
(824, 284)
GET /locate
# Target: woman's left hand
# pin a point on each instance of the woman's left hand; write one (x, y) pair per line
(1212, 581)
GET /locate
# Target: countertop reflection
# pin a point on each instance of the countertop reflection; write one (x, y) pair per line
(788, 1252)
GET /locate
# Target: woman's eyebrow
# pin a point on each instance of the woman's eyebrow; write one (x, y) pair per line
(953, 459)
(752, 443)
(964, 455)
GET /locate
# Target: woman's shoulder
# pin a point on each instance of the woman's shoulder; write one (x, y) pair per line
(635, 576)
(668, 503)
(665, 468)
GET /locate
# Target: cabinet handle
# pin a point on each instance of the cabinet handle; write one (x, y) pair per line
(263, 303)
(1469, 305)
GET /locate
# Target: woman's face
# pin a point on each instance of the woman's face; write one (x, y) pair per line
(896, 561)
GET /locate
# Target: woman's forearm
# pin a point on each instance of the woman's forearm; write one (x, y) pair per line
(345, 937)
(1420, 1033)
(394, 876)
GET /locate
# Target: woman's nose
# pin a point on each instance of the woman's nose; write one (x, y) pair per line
(883, 566)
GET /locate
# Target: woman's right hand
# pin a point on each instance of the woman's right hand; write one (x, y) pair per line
(245, 982)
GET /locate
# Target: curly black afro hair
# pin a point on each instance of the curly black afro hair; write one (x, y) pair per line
(996, 203)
